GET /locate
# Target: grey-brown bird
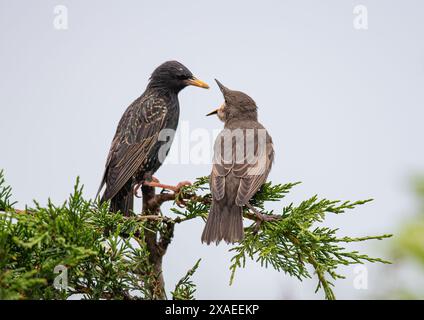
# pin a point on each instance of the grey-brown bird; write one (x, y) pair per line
(136, 151)
(243, 156)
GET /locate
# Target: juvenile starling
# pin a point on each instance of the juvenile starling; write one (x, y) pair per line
(241, 166)
(136, 152)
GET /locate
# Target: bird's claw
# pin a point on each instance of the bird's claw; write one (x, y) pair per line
(138, 186)
(156, 184)
(182, 184)
(176, 189)
(261, 218)
(136, 189)
(180, 202)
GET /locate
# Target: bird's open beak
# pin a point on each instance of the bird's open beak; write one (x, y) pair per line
(197, 83)
(213, 112)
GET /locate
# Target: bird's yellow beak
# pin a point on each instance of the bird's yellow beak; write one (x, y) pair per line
(197, 83)
(213, 112)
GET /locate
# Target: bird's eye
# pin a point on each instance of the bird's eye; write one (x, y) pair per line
(182, 77)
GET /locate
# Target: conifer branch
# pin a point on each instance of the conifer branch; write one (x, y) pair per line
(112, 256)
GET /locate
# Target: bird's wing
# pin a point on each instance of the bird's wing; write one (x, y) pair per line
(217, 183)
(137, 134)
(220, 168)
(252, 168)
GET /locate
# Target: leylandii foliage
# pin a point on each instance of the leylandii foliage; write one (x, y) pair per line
(107, 255)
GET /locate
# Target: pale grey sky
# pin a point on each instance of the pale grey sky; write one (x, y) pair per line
(344, 106)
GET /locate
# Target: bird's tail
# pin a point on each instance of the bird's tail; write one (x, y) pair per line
(123, 201)
(224, 223)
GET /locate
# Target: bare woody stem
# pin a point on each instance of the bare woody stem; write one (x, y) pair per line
(156, 246)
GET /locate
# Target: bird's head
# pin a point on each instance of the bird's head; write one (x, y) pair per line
(174, 76)
(237, 105)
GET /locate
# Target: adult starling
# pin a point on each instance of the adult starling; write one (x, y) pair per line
(237, 175)
(136, 152)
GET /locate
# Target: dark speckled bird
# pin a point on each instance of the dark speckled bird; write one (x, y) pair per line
(135, 152)
(237, 175)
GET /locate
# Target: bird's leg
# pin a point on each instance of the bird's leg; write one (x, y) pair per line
(140, 184)
(176, 189)
(261, 217)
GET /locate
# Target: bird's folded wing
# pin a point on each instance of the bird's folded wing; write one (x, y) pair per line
(252, 172)
(217, 183)
(133, 148)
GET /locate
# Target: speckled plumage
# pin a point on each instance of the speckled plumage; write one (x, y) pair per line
(134, 153)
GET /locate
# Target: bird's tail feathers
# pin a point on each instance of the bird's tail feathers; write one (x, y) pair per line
(224, 223)
(123, 201)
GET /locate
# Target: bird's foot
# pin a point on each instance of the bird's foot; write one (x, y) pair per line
(138, 186)
(157, 184)
(180, 200)
(261, 218)
(176, 189)
(264, 218)
(181, 184)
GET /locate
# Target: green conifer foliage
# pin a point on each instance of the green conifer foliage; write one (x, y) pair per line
(109, 256)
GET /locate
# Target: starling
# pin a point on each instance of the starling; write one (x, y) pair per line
(136, 154)
(237, 175)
